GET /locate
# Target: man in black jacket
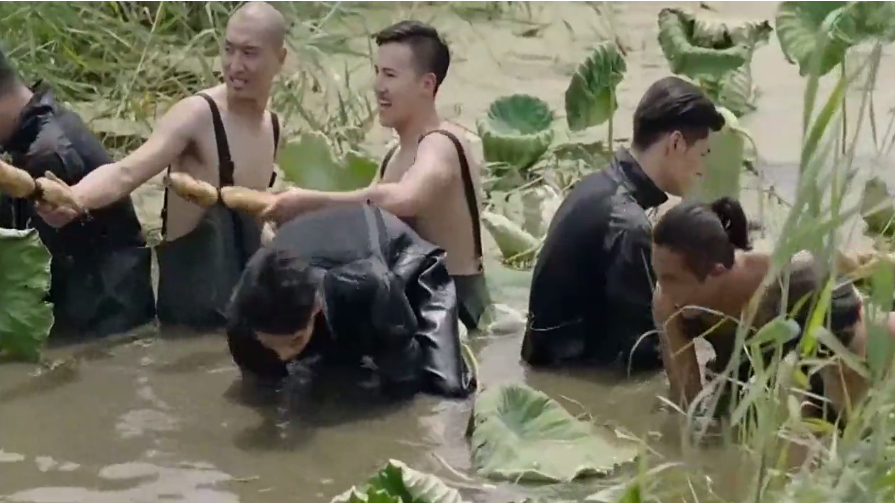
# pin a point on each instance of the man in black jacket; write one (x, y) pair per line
(592, 286)
(101, 267)
(339, 285)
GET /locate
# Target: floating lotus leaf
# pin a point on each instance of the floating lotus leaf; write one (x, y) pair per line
(520, 434)
(517, 131)
(591, 95)
(398, 483)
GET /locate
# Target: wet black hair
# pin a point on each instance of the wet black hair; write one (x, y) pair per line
(276, 293)
(8, 75)
(673, 104)
(430, 51)
(705, 233)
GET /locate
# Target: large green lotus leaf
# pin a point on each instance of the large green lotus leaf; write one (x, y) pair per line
(520, 434)
(591, 98)
(398, 483)
(308, 161)
(26, 318)
(539, 204)
(710, 52)
(514, 242)
(877, 208)
(803, 28)
(724, 162)
(517, 130)
(736, 92)
(711, 33)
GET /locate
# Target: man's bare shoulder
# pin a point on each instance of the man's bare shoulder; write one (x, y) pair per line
(443, 146)
(191, 111)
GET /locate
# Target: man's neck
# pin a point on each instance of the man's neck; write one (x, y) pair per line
(650, 165)
(248, 107)
(410, 133)
(11, 110)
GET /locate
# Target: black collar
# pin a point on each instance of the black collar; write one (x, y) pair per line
(30, 120)
(644, 190)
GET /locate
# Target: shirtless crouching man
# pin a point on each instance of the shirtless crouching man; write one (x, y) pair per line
(429, 180)
(224, 136)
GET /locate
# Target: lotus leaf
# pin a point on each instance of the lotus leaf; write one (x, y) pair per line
(539, 204)
(591, 96)
(520, 434)
(517, 131)
(398, 483)
(724, 163)
(700, 49)
(803, 28)
(26, 318)
(309, 162)
(877, 208)
(515, 244)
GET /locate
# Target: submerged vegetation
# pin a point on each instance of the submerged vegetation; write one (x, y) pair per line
(122, 63)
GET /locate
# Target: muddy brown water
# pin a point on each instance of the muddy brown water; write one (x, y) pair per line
(160, 419)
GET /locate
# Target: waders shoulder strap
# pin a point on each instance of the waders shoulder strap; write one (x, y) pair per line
(386, 159)
(468, 190)
(275, 123)
(225, 163)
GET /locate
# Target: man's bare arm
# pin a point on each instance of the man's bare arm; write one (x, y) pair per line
(678, 353)
(171, 136)
(435, 169)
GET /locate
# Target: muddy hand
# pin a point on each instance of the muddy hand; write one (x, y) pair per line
(287, 205)
(56, 192)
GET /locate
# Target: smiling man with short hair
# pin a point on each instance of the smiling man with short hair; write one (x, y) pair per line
(429, 179)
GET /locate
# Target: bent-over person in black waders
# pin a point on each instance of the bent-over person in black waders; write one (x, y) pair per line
(340, 285)
(101, 267)
(429, 180)
(591, 291)
(224, 136)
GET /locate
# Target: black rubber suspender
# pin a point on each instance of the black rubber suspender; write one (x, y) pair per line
(468, 187)
(469, 192)
(225, 161)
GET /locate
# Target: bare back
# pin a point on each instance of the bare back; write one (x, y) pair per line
(446, 222)
(252, 150)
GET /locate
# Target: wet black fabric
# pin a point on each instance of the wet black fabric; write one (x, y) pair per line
(591, 291)
(101, 268)
(197, 272)
(386, 294)
(472, 290)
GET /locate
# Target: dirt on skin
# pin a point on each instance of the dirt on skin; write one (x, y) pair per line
(159, 420)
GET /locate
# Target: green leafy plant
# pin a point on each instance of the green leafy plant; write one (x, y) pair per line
(517, 131)
(716, 55)
(528, 156)
(590, 99)
(308, 161)
(520, 434)
(826, 30)
(728, 153)
(26, 317)
(398, 483)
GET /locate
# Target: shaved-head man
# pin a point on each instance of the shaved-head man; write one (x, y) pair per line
(223, 135)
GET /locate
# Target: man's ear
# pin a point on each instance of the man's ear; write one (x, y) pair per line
(717, 270)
